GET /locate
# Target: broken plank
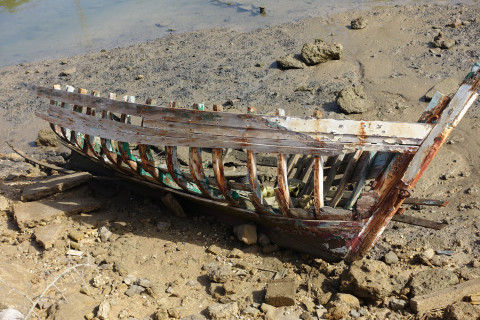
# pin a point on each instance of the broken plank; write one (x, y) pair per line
(54, 184)
(419, 222)
(443, 298)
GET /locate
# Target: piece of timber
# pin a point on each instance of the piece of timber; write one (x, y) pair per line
(419, 222)
(345, 179)
(318, 186)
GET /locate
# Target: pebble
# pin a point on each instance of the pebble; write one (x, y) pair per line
(103, 310)
(397, 304)
(391, 258)
(134, 289)
(220, 273)
(104, 233)
(355, 314)
(139, 77)
(428, 254)
(76, 235)
(129, 279)
(235, 253)
(144, 283)
(359, 23)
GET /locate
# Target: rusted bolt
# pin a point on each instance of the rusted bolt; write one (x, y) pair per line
(403, 194)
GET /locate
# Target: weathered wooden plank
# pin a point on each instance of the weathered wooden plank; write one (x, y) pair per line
(318, 186)
(107, 148)
(327, 127)
(134, 134)
(283, 193)
(53, 185)
(345, 179)
(419, 222)
(332, 172)
(364, 169)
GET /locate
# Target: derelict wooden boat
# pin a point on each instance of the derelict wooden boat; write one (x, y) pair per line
(335, 184)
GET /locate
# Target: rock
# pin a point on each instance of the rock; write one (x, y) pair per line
(352, 100)
(47, 138)
(173, 205)
(431, 280)
(144, 283)
(345, 298)
(161, 314)
(263, 239)
(220, 273)
(76, 235)
(397, 304)
(457, 23)
(271, 248)
(68, 72)
(441, 42)
(134, 289)
(30, 214)
(251, 311)
(269, 311)
(281, 292)
(368, 279)
(447, 86)
(235, 253)
(290, 62)
(214, 249)
(320, 52)
(220, 311)
(11, 314)
(130, 279)
(428, 254)
(5, 205)
(246, 233)
(139, 77)
(104, 234)
(54, 184)
(391, 258)
(163, 225)
(48, 234)
(341, 305)
(103, 310)
(359, 23)
(461, 311)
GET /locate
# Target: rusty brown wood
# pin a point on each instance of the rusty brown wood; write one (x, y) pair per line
(107, 147)
(282, 193)
(345, 179)
(318, 185)
(74, 136)
(407, 169)
(159, 136)
(88, 146)
(292, 162)
(145, 154)
(217, 163)
(172, 161)
(256, 195)
(123, 146)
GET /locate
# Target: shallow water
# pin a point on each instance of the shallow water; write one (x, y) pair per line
(49, 29)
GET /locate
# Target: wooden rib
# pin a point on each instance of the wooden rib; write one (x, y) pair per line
(172, 162)
(361, 182)
(256, 195)
(345, 179)
(89, 144)
(107, 147)
(123, 146)
(76, 137)
(66, 132)
(146, 154)
(282, 193)
(55, 127)
(332, 172)
(292, 162)
(217, 163)
(196, 167)
(318, 185)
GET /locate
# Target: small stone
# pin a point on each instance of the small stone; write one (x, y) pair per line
(220, 273)
(246, 233)
(11, 314)
(103, 310)
(263, 239)
(76, 235)
(194, 317)
(290, 62)
(397, 304)
(355, 314)
(359, 23)
(251, 311)
(163, 225)
(161, 314)
(89, 316)
(48, 234)
(345, 298)
(139, 77)
(281, 292)
(129, 279)
(47, 138)
(214, 249)
(235, 253)
(391, 258)
(352, 100)
(220, 311)
(428, 254)
(68, 72)
(144, 283)
(104, 234)
(461, 311)
(457, 23)
(134, 289)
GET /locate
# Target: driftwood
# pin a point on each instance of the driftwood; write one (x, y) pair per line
(442, 298)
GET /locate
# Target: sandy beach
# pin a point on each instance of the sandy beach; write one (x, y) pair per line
(393, 59)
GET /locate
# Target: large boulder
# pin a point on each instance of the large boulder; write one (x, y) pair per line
(320, 52)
